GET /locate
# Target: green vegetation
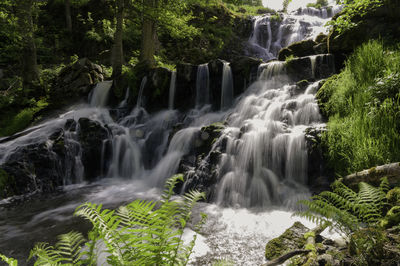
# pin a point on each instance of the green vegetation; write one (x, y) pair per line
(353, 9)
(362, 217)
(362, 103)
(347, 211)
(318, 4)
(140, 233)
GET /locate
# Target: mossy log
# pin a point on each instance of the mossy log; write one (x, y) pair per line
(374, 175)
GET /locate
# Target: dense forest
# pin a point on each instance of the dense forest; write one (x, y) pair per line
(182, 132)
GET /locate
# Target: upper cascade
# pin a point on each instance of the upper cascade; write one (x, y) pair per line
(271, 33)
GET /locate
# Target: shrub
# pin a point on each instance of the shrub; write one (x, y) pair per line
(362, 103)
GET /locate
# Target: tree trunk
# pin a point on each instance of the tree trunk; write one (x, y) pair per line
(149, 33)
(117, 50)
(374, 175)
(68, 19)
(30, 72)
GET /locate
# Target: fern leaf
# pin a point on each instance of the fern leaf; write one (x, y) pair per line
(9, 261)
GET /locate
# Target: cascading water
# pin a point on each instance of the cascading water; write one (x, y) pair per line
(172, 87)
(202, 86)
(227, 87)
(263, 159)
(99, 95)
(273, 32)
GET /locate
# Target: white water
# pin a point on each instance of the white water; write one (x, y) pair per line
(202, 86)
(227, 87)
(172, 87)
(100, 93)
(271, 34)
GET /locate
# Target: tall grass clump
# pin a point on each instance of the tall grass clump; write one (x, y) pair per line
(362, 103)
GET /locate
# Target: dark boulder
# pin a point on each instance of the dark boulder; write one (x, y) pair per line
(298, 49)
(311, 67)
(75, 81)
(34, 167)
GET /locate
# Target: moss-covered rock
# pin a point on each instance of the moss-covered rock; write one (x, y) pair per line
(392, 217)
(393, 196)
(291, 239)
(297, 49)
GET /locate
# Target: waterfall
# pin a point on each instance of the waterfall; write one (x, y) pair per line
(227, 87)
(202, 86)
(124, 102)
(139, 102)
(313, 61)
(172, 86)
(99, 95)
(273, 32)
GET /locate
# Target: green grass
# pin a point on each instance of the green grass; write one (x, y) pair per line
(362, 103)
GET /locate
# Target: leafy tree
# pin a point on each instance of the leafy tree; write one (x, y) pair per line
(30, 72)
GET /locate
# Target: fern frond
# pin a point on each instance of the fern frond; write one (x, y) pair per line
(384, 186)
(69, 247)
(45, 254)
(9, 261)
(169, 187)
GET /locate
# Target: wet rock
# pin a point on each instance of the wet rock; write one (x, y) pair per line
(34, 167)
(200, 166)
(298, 49)
(75, 81)
(318, 171)
(185, 94)
(244, 71)
(311, 68)
(291, 239)
(325, 259)
(91, 136)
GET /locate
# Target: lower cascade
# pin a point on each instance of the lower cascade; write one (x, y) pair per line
(244, 146)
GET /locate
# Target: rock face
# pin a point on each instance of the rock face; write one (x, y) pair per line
(185, 86)
(75, 81)
(200, 165)
(244, 70)
(298, 49)
(71, 153)
(311, 67)
(91, 136)
(319, 174)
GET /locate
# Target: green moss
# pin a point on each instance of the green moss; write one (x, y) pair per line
(393, 196)
(285, 242)
(392, 217)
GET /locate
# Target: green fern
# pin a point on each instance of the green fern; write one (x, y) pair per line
(345, 210)
(144, 232)
(66, 252)
(9, 261)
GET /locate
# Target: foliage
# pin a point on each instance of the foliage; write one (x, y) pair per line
(362, 103)
(15, 122)
(9, 261)
(347, 211)
(139, 233)
(66, 252)
(353, 11)
(318, 4)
